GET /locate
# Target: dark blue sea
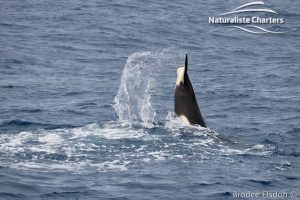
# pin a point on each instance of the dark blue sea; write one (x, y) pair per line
(87, 93)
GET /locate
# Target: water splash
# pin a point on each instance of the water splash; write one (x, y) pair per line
(135, 99)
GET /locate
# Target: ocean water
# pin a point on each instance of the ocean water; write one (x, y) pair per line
(86, 101)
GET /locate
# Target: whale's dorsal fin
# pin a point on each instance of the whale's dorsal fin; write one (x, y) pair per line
(185, 102)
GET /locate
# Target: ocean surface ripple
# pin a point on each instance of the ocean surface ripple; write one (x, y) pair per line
(86, 104)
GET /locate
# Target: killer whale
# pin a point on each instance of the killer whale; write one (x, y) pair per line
(185, 103)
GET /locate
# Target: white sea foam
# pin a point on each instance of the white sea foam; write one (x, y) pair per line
(75, 167)
(259, 150)
(115, 146)
(112, 165)
(75, 149)
(108, 131)
(50, 139)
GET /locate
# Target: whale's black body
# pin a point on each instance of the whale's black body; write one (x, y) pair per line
(185, 102)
